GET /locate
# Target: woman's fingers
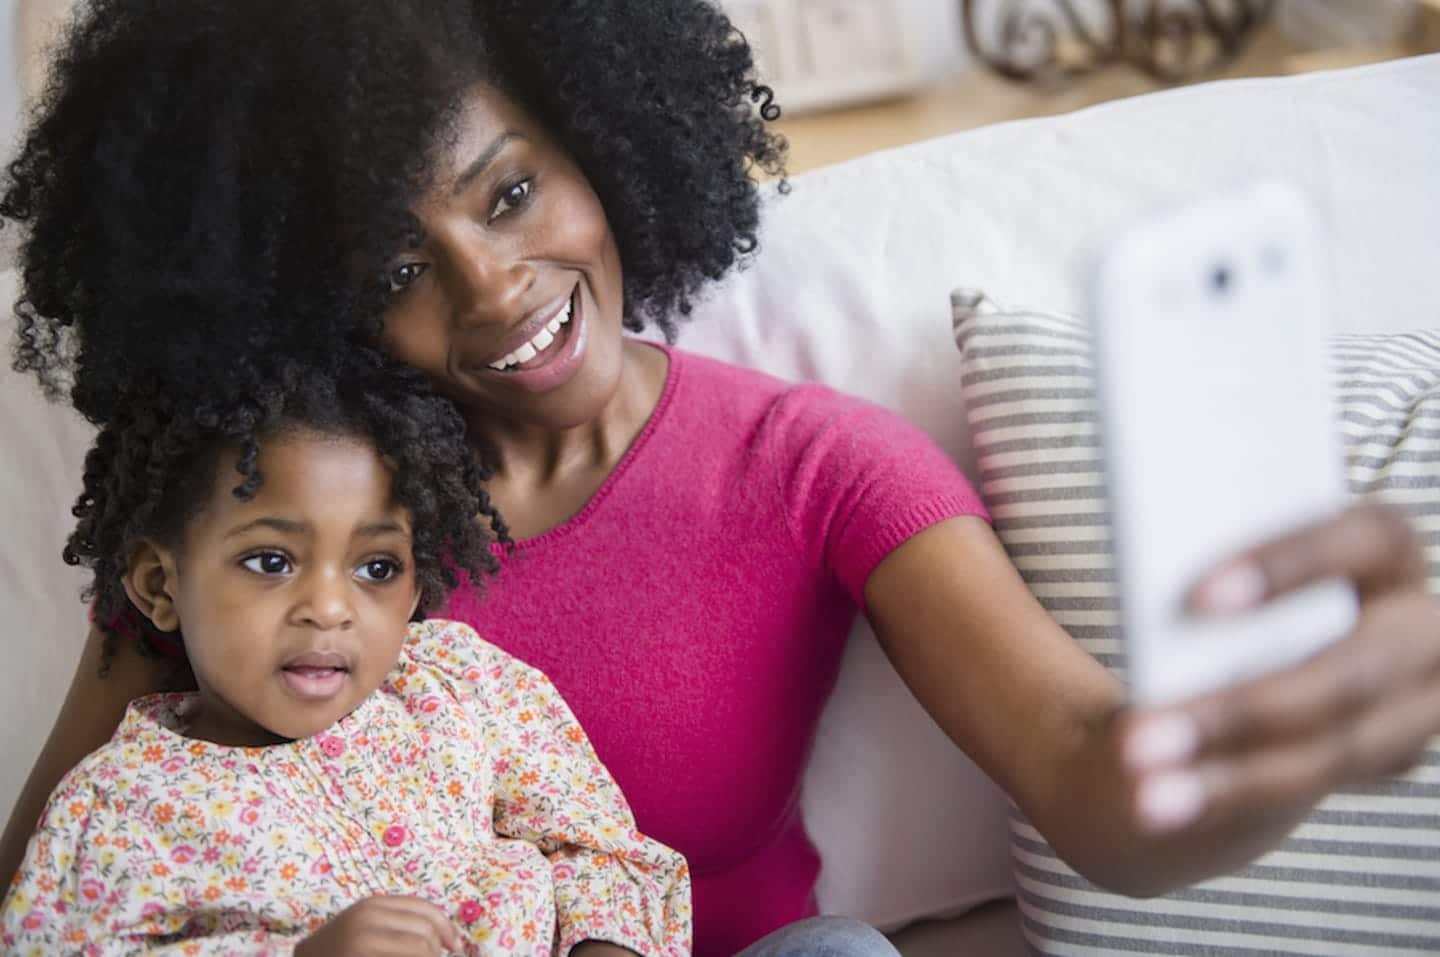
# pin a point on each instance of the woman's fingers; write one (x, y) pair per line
(1361, 709)
(1395, 647)
(1385, 740)
(1371, 545)
(1364, 709)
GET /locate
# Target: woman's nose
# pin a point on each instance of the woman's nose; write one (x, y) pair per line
(490, 290)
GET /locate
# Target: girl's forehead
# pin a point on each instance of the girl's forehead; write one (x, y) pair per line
(310, 476)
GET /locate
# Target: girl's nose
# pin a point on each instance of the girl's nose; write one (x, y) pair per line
(325, 602)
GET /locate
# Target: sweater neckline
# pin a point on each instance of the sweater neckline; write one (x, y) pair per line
(637, 446)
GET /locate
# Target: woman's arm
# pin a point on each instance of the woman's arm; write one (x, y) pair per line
(1050, 726)
(92, 711)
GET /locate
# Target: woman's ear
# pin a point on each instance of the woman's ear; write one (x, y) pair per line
(150, 581)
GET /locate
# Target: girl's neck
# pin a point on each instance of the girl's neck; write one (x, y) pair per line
(215, 721)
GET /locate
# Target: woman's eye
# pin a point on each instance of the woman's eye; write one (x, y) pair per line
(512, 198)
(378, 570)
(402, 276)
(267, 563)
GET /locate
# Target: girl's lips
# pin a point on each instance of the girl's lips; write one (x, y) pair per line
(319, 659)
(314, 684)
(315, 675)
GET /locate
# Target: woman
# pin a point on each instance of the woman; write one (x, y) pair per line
(492, 190)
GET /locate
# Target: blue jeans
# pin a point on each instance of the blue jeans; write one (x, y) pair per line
(823, 937)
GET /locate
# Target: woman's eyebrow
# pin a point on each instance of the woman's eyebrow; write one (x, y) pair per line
(484, 160)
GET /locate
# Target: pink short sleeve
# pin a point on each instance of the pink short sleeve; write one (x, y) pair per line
(858, 481)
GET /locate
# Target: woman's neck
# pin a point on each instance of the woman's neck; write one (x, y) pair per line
(545, 477)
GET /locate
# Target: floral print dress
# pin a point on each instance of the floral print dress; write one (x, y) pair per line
(464, 780)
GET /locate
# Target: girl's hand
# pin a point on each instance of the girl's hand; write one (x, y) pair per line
(1362, 709)
(385, 927)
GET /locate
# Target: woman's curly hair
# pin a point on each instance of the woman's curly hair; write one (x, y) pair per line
(195, 164)
(154, 465)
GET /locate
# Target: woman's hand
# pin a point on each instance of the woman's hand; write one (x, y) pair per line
(385, 927)
(1362, 709)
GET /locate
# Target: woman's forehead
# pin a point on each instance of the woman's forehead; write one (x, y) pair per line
(486, 119)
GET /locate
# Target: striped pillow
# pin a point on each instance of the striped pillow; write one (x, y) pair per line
(1362, 874)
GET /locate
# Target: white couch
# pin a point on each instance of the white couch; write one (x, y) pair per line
(851, 289)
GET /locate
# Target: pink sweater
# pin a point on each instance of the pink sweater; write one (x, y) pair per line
(694, 613)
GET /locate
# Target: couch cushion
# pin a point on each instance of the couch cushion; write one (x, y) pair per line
(42, 450)
(1362, 874)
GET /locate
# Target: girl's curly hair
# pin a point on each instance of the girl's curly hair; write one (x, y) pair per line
(195, 164)
(154, 462)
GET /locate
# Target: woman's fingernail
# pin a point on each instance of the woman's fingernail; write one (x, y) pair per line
(1162, 740)
(1169, 801)
(1237, 588)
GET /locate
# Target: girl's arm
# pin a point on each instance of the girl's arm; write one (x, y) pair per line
(80, 887)
(1050, 725)
(616, 891)
(92, 711)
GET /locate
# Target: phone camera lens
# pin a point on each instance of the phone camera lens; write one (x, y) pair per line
(1221, 280)
(1272, 260)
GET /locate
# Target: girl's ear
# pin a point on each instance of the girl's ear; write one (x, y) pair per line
(150, 581)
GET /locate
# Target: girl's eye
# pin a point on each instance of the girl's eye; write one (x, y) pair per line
(513, 197)
(378, 570)
(267, 563)
(404, 275)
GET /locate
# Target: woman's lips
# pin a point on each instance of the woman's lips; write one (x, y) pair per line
(558, 362)
(546, 345)
(536, 336)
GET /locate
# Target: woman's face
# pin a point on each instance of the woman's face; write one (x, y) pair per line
(512, 302)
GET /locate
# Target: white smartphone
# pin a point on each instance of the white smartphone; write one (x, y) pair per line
(1218, 430)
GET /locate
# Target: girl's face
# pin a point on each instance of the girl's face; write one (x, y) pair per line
(293, 605)
(512, 301)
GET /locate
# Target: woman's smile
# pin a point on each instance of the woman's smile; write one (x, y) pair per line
(546, 351)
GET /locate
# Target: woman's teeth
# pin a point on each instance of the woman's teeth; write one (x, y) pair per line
(539, 343)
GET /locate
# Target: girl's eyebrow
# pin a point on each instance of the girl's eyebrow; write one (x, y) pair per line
(293, 527)
(287, 525)
(376, 529)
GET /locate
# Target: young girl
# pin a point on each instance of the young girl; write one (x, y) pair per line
(343, 781)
